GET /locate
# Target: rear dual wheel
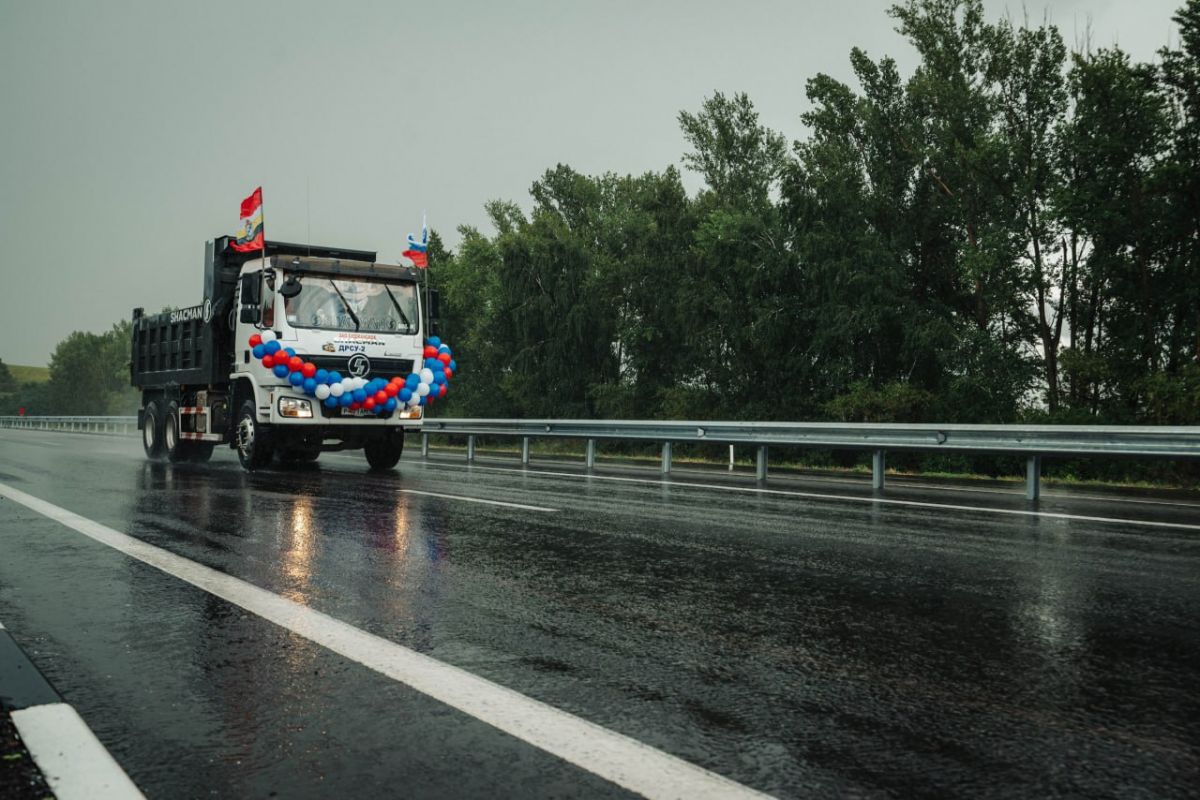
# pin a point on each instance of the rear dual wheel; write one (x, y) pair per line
(152, 430)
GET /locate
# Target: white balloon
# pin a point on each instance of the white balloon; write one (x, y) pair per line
(347, 384)
(427, 375)
(414, 401)
(322, 391)
(336, 390)
(422, 389)
(268, 336)
(360, 383)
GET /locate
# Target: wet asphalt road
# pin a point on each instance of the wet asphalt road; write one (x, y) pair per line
(802, 646)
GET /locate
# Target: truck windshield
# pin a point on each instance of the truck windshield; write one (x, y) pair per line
(349, 304)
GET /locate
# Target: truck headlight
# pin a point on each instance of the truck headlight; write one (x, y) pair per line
(294, 407)
(411, 413)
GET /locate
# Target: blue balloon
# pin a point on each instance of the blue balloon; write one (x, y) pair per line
(390, 405)
(453, 365)
(429, 362)
(322, 376)
(310, 385)
(335, 377)
(359, 395)
(330, 402)
(377, 408)
(295, 378)
(272, 347)
(435, 341)
(280, 370)
(444, 348)
(439, 378)
(412, 381)
(259, 351)
(405, 394)
(289, 351)
(424, 398)
(345, 400)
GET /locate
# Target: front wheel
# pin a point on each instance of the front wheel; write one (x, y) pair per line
(152, 430)
(253, 438)
(384, 453)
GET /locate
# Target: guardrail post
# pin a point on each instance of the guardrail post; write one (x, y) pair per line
(591, 453)
(471, 447)
(525, 450)
(877, 468)
(1033, 477)
(760, 471)
(424, 445)
(666, 458)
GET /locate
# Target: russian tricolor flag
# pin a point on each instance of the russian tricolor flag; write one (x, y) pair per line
(418, 252)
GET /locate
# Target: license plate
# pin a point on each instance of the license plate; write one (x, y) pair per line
(357, 412)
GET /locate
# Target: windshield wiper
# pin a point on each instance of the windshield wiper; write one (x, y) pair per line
(345, 305)
(399, 310)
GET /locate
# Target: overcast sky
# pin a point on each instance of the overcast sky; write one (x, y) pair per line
(130, 131)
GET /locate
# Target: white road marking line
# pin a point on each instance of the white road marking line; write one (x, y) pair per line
(76, 765)
(848, 498)
(478, 500)
(612, 756)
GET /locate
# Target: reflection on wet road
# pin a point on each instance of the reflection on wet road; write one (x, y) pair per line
(798, 645)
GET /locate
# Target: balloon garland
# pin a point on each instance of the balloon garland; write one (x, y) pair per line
(378, 396)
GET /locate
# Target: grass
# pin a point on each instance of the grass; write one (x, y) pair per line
(29, 374)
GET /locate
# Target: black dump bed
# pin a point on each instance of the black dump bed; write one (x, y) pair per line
(194, 346)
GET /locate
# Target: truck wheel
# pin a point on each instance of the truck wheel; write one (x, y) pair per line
(176, 449)
(200, 451)
(384, 453)
(253, 439)
(152, 430)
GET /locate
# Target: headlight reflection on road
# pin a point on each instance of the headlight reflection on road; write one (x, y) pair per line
(298, 550)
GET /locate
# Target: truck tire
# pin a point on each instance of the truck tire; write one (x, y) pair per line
(200, 451)
(152, 431)
(384, 453)
(176, 449)
(253, 439)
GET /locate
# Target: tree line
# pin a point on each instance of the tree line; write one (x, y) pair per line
(1010, 233)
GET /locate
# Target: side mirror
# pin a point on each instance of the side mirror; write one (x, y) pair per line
(251, 314)
(251, 290)
(434, 303)
(291, 287)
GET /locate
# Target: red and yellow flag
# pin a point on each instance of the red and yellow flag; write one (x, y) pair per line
(250, 235)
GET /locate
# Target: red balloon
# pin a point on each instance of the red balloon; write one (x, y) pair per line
(381, 397)
(391, 390)
(309, 369)
(449, 373)
(353, 406)
(430, 351)
(369, 403)
(442, 390)
(295, 363)
(443, 357)
(255, 340)
(268, 361)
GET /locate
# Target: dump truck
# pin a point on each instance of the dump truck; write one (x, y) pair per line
(338, 310)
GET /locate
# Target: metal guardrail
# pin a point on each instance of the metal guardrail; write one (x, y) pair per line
(1033, 442)
(119, 426)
